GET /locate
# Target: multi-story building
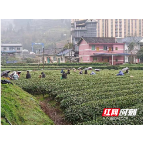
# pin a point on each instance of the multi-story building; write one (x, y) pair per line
(116, 27)
(119, 27)
(11, 48)
(84, 27)
(101, 49)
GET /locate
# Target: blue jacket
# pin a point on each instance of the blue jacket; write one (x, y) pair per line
(92, 73)
(120, 73)
(61, 71)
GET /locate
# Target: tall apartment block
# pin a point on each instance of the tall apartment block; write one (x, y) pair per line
(119, 27)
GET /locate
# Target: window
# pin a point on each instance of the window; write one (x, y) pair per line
(116, 48)
(116, 60)
(105, 48)
(18, 48)
(93, 48)
(97, 48)
(61, 58)
(94, 58)
(4, 48)
(54, 59)
(10, 48)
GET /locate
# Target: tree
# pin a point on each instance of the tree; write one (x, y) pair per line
(70, 46)
(132, 42)
(140, 54)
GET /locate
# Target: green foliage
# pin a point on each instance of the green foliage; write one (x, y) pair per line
(30, 60)
(83, 97)
(131, 46)
(68, 46)
(140, 54)
(21, 108)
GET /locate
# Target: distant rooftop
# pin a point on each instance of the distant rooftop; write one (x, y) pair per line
(98, 39)
(52, 51)
(7, 45)
(128, 40)
(64, 52)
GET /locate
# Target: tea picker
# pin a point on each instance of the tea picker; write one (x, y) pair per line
(5, 74)
(120, 73)
(6, 82)
(97, 70)
(125, 69)
(89, 68)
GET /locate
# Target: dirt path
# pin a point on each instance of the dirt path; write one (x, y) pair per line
(55, 114)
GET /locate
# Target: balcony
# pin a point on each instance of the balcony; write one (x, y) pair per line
(78, 28)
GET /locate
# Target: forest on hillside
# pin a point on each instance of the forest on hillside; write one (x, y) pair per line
(54, 33)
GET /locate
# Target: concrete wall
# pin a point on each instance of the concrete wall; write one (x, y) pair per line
(54, 61)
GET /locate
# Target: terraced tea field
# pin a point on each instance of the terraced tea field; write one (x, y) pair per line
(83, 97)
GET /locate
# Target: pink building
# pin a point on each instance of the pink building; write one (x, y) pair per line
(101, 49)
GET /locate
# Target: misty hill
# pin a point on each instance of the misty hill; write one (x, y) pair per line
(52, 32)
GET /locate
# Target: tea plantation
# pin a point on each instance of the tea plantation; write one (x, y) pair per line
(83, 97)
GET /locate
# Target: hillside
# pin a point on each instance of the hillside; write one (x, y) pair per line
(21, 108)
(51, 32)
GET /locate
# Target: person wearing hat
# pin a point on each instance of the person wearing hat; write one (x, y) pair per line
(74, 69)
(42, 75)
(15, 76)
(127, 71)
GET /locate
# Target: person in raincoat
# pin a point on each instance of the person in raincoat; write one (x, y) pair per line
(5, 74)
(15, 76)
(126, 70)
(92, 73)
(120, 73)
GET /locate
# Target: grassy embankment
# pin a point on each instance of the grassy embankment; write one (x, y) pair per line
(21, 108)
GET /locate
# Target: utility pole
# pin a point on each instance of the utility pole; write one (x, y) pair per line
(56, 56)
(43, 58)
(69, 50)
(71, 55)
(39, 59)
